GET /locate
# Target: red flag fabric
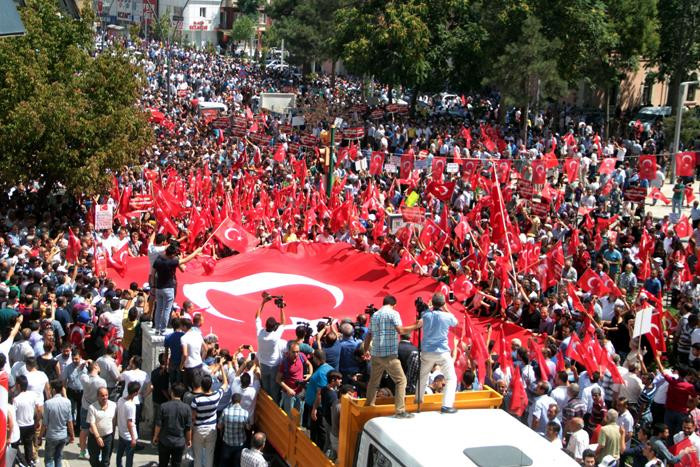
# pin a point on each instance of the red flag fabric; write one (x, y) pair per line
(539, 172)
(438, 168)
(607, 166)
(690, 459)
(114, 192)
(571, 290)
(518, 400)
(280, 154)
(117, 260)
(442, 191)
(591, 282)
(689, 196)
(406, 165)
(647, 166)
(685, 164)
(73, 249)
(656, 194)
(376, 163)
(503, 170)
(430, 234)
(235, 236)
(571, 166)
(683, 228)
(569, 139)
(561, 364)
(541, 363)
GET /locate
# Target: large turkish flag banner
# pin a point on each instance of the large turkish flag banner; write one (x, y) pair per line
(316, 280)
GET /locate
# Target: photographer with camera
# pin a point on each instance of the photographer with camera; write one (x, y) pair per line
(384, 330)
(436, 323)
(270, 346)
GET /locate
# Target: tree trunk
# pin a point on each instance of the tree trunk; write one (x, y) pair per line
(334, 64)
(607, 111)
(523, 128)
(414, 99)
(391, 92)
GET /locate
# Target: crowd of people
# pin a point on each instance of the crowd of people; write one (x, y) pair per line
(543, 233)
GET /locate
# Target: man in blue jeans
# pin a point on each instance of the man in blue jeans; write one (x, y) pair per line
(126, 423)
(57, 426)
(291, 379)
(164, 267)
(233, 425)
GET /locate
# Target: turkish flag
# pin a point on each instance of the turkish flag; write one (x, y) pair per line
(607, 166)
(442, 191)
(280, 154)
(73, 249)
(438, 168)
(117, 260)
(430, 234)
(518, 400)
(571, 166)
(503, 170)
(688, 460)
(376, 163)
(689, 196)
(683, 228)
(539, 172)
(406, 165)
(685, 164)
(591, 282)
(235, 236)
(647, 166)
(656, 194)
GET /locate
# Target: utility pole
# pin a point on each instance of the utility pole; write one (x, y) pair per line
(331, 163)
(282, 62)
(682, 93)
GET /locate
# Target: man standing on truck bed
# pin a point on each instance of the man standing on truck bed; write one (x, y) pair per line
(385, 328)
(436, 324)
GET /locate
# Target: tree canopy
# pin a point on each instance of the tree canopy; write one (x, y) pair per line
(67, 117)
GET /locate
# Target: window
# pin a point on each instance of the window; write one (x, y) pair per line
(203, 12)
(377, 458)
(692, 88)
(647, 89)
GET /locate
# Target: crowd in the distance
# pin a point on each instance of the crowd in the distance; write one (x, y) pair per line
(72, 346)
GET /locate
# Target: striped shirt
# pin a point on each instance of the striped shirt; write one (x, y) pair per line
(205, 407)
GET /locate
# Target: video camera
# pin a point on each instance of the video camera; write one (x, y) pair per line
(308, 330)
(279, 299)
(421, 306)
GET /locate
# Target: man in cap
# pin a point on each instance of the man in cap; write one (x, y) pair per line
(436, 322)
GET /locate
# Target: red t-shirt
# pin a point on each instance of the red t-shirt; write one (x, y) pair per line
(678, 393)
(293, 372)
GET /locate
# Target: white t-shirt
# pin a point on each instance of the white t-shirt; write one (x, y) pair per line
(561, 397)
(539, 411)
(139, 376)
(14, 436)
(37, 381)
(268, 349)
(102, 418)
(193, 341)
(626, 421)
(25, 404)
(126, 410)
(578, 442)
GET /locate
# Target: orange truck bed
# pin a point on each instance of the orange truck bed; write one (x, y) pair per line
(297, 449)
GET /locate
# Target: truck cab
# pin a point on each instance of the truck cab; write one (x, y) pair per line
(471, 437)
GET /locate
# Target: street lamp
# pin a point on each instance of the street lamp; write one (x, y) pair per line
(682, 94)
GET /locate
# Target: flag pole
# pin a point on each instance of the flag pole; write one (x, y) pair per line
(214, 233)
(503, 221)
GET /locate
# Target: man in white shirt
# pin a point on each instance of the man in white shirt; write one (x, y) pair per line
(109, 370)
(270, 345)
(37, 380)
(625, 421)
(560, 393)
(28, 409)
(688, 431)
(135, 373)
(126, 422)
(538, 410)
(193, 347)
(578, 441)
(101, 419)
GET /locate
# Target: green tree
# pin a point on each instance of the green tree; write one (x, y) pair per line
(67, 117)
(527, 70)
(307, 27)
(385, 39)
(679, 43)
(243, 28)
(248, 7)
(162, 26)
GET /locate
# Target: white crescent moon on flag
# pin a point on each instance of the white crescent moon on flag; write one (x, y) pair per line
(253, 283)
(232, 229)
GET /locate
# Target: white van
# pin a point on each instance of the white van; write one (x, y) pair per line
(472, 437)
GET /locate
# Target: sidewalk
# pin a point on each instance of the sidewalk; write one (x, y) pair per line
(661, 210)
(146, 457)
